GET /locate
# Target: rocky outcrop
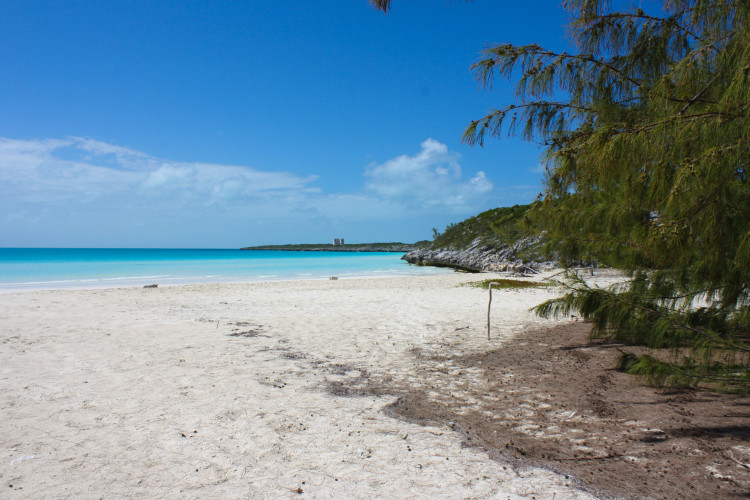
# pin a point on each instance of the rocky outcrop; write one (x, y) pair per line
(478, 257)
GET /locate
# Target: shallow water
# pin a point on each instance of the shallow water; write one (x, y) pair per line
(35, 268)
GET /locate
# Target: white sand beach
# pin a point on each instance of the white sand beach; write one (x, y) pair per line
(239, 391)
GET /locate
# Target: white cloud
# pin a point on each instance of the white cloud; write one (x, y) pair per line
(77, 170)
(78, 187)
(126, 155)
(431, 178)
(167, 175)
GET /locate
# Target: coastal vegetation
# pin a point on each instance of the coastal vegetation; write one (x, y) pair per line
(501, 239)
(646, 130)
(498, 226)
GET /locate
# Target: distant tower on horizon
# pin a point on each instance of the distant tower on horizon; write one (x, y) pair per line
(337, 242)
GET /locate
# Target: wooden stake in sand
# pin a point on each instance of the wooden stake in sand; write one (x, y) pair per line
(489, 305)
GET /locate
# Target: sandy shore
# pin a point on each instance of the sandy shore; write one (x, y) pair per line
(240, 390)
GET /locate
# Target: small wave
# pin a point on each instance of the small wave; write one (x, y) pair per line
(120, 278)
(77, 280)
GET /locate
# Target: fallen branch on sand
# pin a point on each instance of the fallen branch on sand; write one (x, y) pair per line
(588, 458)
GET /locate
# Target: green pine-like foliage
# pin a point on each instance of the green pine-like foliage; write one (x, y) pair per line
(495, 227)
(647, 170)
(646, 127)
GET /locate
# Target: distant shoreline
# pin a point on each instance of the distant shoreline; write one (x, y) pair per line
(328, 247)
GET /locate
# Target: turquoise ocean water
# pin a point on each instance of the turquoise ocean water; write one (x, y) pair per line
(35, 268)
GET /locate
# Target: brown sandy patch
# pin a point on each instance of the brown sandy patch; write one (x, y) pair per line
(551, 398)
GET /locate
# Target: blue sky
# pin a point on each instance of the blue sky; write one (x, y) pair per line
(224, 124)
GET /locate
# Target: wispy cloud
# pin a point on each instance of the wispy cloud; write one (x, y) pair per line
(539, 169)
(82, 182)
(83, 169)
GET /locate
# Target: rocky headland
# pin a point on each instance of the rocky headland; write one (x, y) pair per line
(519, 256)
(498, 240)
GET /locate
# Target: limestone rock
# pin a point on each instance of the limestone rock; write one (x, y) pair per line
(480, 257)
